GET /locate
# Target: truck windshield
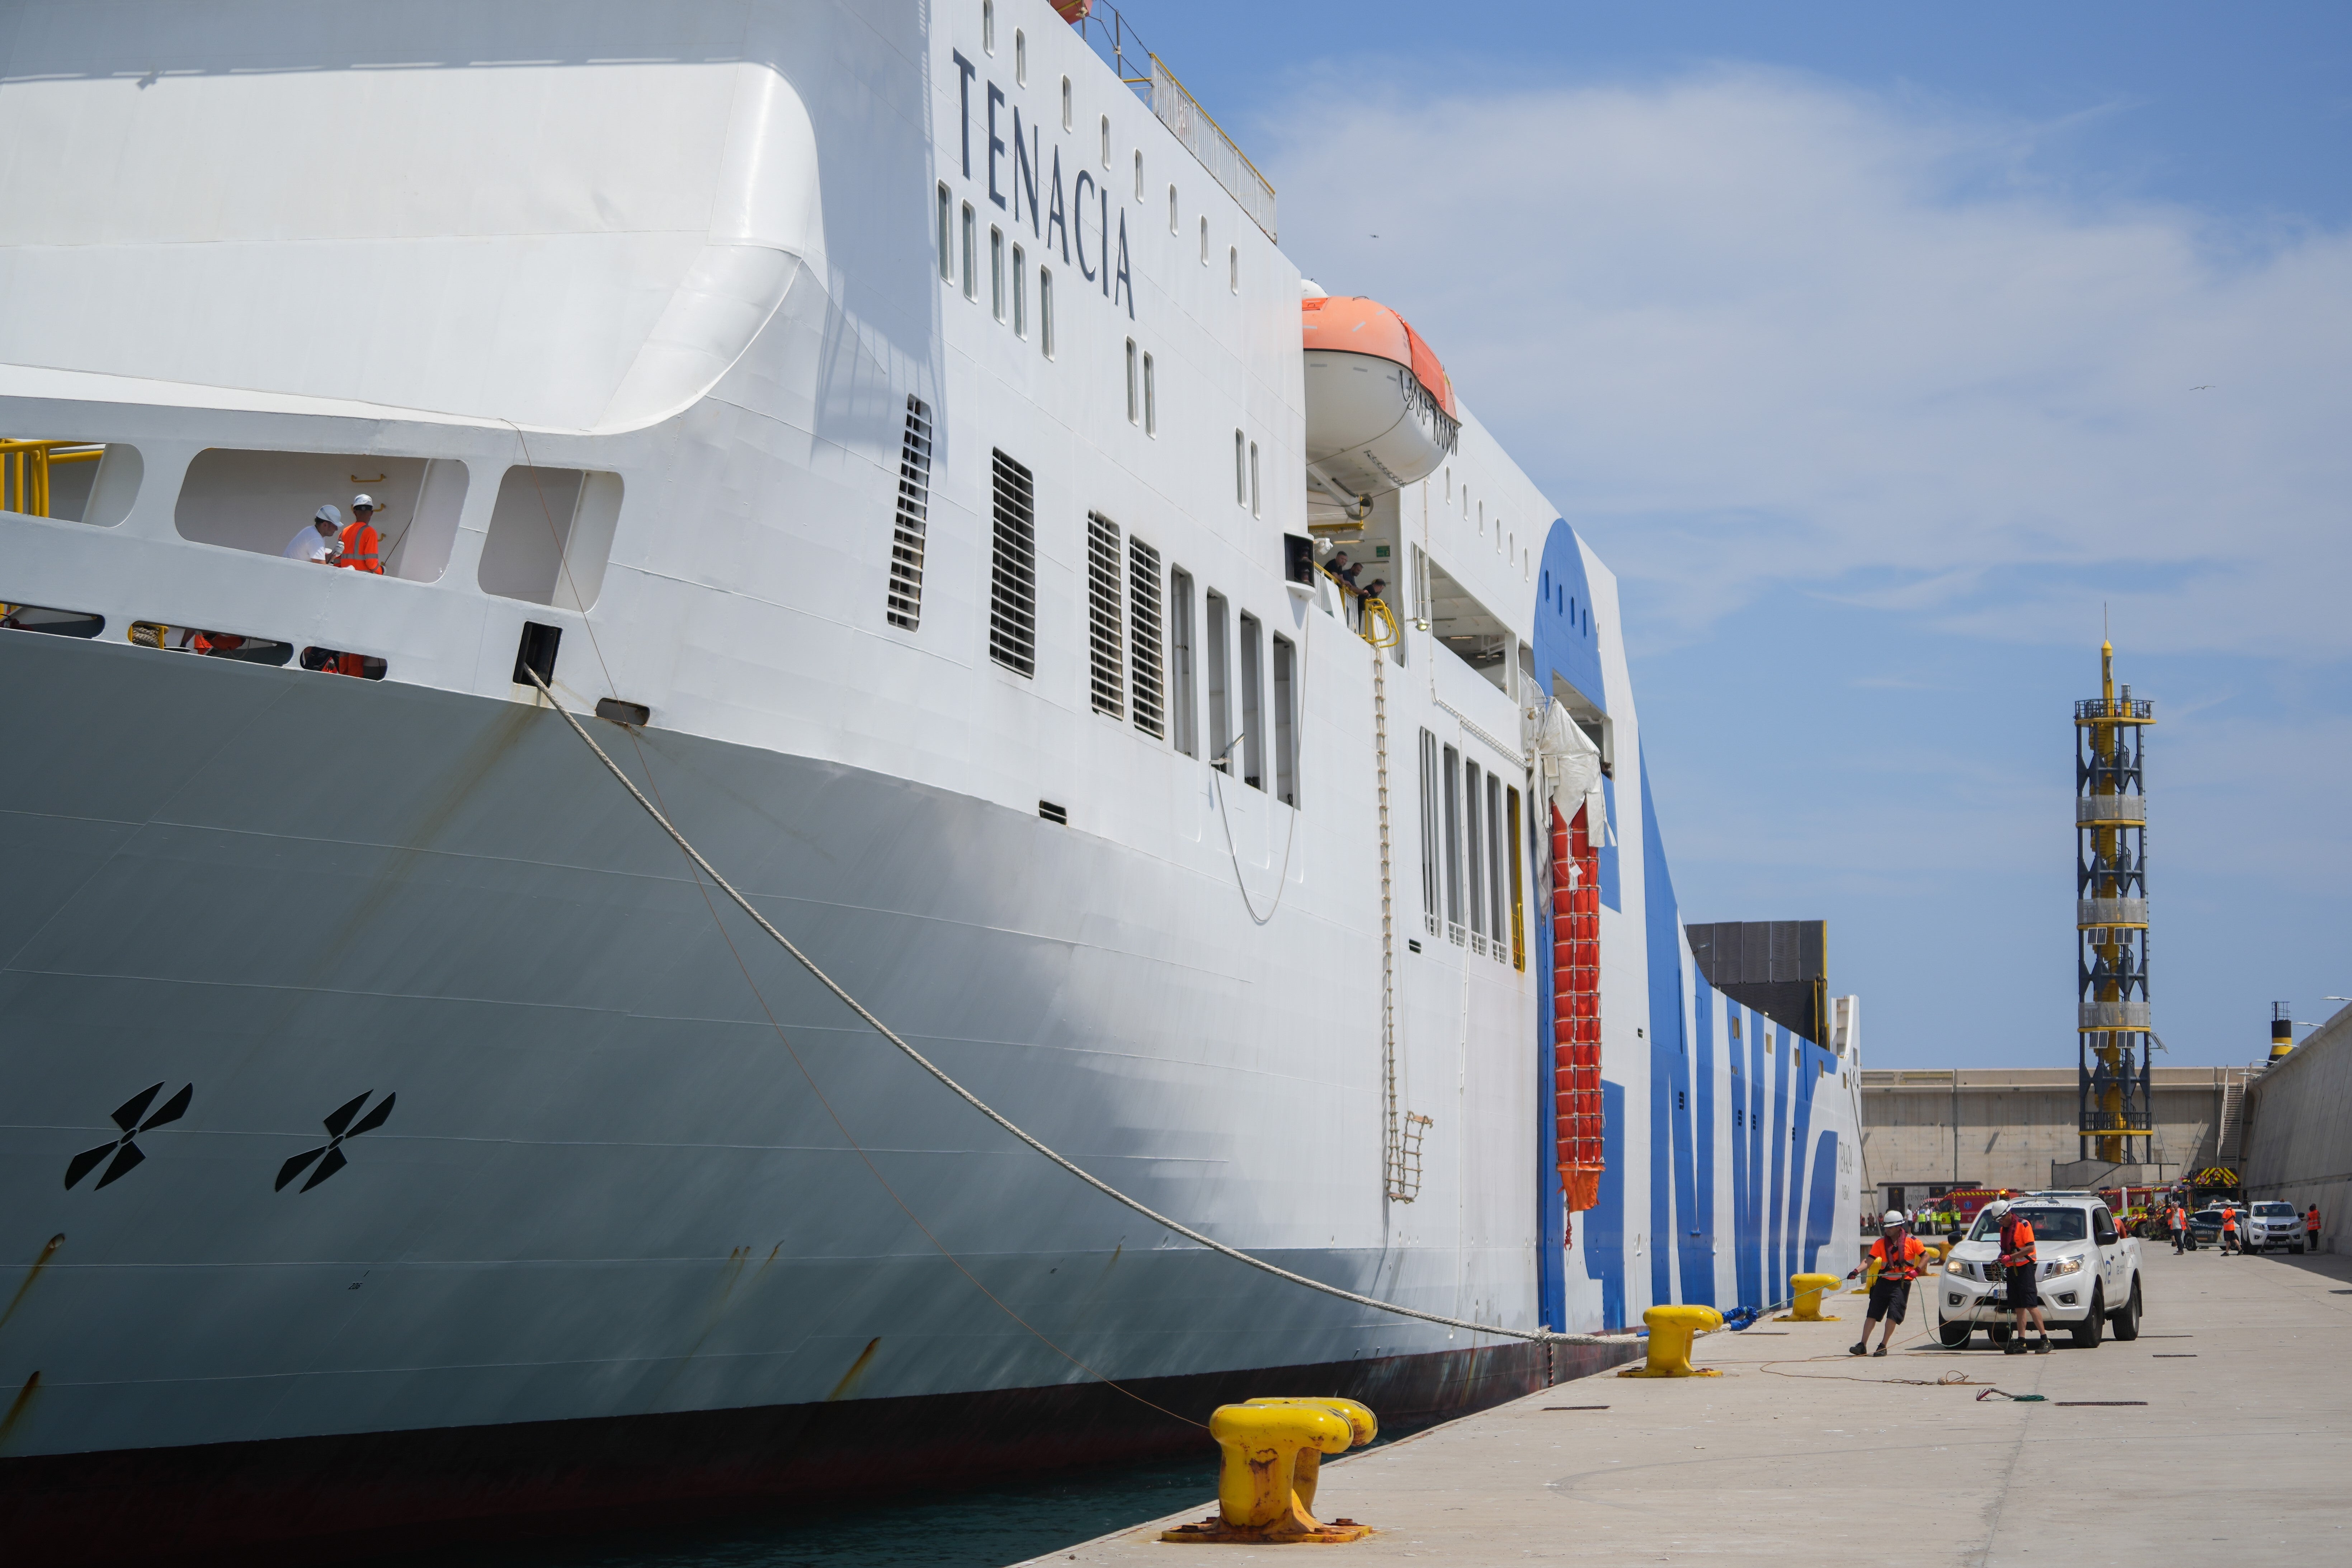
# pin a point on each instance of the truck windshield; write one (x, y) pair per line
(2275, 1211)
(2049, 1223)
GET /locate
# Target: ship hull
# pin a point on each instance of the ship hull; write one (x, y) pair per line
(310, 1499)
(590, 1201)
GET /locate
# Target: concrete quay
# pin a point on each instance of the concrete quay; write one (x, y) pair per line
(1800, 1454)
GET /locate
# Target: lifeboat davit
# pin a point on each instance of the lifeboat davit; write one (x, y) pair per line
(1380, 409)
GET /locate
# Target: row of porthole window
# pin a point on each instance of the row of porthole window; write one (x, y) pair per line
(1021, 77)
(236, 647)
(1507, 544)
(550, 536)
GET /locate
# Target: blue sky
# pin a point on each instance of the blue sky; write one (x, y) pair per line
(1861, 341)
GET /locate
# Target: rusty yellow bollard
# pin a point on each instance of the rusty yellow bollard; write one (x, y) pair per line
(1270, 1447)
(1806, 1292)
(1672, 1328)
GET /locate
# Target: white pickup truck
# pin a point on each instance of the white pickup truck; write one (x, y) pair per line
(2088, 1273)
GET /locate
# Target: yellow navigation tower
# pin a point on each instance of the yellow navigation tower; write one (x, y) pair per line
(2110, 921)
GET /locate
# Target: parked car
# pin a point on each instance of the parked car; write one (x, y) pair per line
(2273, 1225)
(2205, 1228)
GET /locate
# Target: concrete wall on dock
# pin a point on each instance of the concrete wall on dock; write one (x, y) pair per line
(2006, 1127)
(2299, 1129)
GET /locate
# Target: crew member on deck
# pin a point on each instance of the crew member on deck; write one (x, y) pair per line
(361, 545)
(317, 540)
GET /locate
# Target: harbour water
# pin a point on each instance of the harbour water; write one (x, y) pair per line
(978, 1528)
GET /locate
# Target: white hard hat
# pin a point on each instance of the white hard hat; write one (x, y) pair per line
(363, 500)
(1894, 1216)
(1997, 1207)
(327, 514)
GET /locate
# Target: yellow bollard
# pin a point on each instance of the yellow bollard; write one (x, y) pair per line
(1806, 1291)
(1670, 1332)
(1306, 1470)
(1269, 1445)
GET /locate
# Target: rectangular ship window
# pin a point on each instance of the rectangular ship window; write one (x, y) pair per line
(907, 528)
(1143, 635)
(1046, 312)
(1240, 470)
(1105, 644)
(996, 271)
(1429, 830)
(1285, 721)
(1151, 399)
(1498, 924)
(1221, 726)
(947, 234)
(1020, 292)
(1012, 570)
(1253, 700)
(1452, 785)
(550, 535)
(1256, 509)
(1182, 702)
(1134, 403)
(1474, 854)
(971, 257)
(1518, 892)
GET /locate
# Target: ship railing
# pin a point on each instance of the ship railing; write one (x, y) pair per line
(1112, 37)
(24, 471)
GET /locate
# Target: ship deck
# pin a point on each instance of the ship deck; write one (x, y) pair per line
(2237, 1454)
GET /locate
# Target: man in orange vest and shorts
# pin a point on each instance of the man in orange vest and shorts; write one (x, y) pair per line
(2021, 1291)
(1898, 1254)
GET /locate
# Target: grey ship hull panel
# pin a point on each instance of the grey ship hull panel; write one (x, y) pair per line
(599, 1185)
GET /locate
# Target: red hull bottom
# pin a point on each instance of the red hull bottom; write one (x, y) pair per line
(304, 1498)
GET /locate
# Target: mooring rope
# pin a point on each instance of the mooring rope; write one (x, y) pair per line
(854, 1004)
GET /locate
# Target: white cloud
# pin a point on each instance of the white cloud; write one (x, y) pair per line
(1751, 331)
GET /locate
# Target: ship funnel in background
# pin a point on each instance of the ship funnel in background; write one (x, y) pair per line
(1380, 409)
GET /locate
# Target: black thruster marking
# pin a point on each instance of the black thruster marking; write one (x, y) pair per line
(128, 1155)
(340, 1126)
(127, 1114)
(327, 1167)
(124, 1164)
(295, 1167)
(79, 1165)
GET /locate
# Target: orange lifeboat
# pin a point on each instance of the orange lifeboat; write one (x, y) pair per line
(1380, 409)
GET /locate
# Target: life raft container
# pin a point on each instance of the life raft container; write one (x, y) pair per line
(1380, 409)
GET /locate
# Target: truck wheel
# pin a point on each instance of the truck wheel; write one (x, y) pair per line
(2093, 1326)
(2126, 1323)
(1955, 1336)
(2296, 1250)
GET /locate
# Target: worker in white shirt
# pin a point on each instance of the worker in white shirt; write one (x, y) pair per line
(317, 540)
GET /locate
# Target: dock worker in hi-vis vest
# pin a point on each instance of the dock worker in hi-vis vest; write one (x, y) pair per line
(2019, 1292)
(2311, 1230)
(361, 545)
(2177, 1218)
(1898, 1253)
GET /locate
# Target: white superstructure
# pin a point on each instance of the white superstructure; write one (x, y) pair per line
(927, 500)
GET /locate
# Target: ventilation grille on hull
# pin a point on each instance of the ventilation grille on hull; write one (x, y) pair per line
(1104, 637)
(1143, 636)
(1012, 573)
(914, 509)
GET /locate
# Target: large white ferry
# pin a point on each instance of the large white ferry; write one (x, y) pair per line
(1127, 666)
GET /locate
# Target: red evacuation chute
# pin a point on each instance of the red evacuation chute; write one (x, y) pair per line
(1576, 1008)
